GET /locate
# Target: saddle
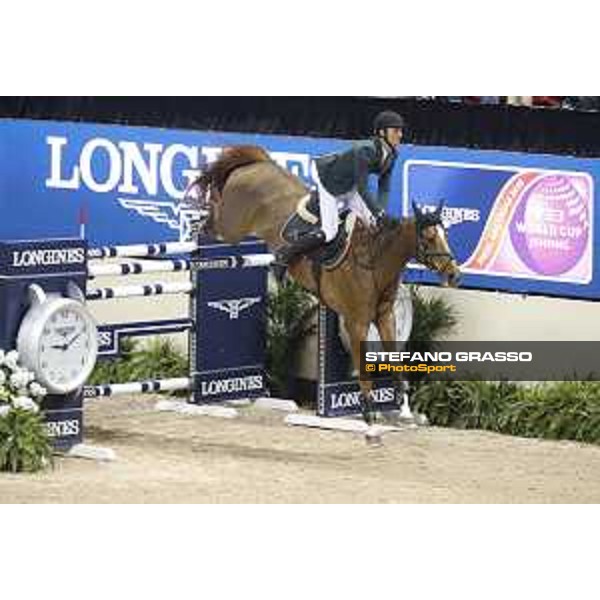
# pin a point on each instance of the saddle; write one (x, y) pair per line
(307, 218)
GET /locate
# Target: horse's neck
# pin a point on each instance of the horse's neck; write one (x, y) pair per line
(398, 248)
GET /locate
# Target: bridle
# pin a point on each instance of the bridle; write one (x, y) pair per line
(425, 256)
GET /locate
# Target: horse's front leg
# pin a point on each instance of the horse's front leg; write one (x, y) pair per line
(386, 325)
(357, 332)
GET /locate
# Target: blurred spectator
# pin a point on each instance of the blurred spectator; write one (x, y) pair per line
(520, 100)
(545, 101)
(588, 103)
(548, 101)
(483, 99)
(473, 99)
(582, 102)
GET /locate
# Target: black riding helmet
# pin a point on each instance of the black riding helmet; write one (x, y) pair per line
(388, 120)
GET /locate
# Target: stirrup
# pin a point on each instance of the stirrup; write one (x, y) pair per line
(288, 254)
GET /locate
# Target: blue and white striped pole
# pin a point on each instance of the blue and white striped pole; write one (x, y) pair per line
(138, 387)
(138, 268)
(143, 250)
(139, 291)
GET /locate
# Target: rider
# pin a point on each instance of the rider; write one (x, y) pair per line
(342, 180)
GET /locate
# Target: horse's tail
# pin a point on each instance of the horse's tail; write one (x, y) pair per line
(207, 189)
(210, 183)
(232, 159)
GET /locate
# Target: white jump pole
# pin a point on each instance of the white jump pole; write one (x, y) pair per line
(138, 387)
(138, 268)
(143, 250)
(137, 291)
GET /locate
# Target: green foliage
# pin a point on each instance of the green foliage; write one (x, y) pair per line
(24, 444)
(433, 320)
(157, 360)
(558, 411)
(567, 410)
(114, 370)
(290, 310)
(464, 404)
(562, 411)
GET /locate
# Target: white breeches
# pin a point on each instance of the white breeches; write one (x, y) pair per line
(331, 207)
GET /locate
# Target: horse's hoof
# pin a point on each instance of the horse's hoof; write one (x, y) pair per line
(373, 438)
(421, 420)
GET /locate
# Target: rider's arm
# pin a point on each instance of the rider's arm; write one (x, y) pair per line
(385, 182)
(365, 156)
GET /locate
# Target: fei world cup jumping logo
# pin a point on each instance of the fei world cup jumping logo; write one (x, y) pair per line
(540, 227)
(534, 224)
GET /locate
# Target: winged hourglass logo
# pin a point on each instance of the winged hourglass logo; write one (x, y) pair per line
(175, 216)
(234, 308)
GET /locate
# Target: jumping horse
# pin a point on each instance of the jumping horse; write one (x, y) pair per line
(245, 193)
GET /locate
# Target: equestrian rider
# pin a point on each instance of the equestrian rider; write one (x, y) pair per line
(342, 180)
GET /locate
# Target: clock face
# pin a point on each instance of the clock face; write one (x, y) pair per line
(67, 348)
(58, 341)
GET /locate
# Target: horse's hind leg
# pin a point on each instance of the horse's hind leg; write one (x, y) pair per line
(357, 332)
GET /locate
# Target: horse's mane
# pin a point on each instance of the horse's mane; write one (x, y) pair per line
(232, 159)
(388, 234)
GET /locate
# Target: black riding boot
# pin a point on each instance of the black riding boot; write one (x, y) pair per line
(288, 254)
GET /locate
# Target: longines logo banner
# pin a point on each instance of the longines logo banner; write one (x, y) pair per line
(42, 257)
(117, 184)
(522, 223)
(488, 361)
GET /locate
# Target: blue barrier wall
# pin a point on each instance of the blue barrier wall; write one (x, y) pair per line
(126, 179)
(519, 223)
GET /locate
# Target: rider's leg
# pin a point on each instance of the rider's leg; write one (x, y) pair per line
(313, 239)
(303, 245)
(329, 209)
(357, 205)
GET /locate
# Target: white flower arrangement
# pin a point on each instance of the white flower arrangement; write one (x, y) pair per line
(18, 388)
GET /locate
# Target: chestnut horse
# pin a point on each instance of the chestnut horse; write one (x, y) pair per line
(245, 193)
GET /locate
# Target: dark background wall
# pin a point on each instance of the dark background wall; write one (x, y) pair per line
(430, 122)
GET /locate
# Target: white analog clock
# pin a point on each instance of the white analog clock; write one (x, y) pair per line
(58, 340)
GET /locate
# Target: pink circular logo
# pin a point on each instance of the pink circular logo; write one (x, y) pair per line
(551, 227)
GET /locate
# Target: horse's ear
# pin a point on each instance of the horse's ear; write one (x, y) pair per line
(417, 210)
(441, 208)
